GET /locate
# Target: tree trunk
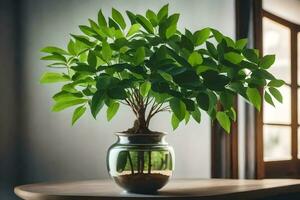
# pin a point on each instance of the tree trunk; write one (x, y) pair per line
(140, 124)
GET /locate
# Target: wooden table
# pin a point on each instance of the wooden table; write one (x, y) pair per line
(220, 189)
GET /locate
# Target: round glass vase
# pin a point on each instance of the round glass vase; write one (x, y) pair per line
(141, 163)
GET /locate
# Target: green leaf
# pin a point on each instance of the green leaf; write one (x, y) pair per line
(101, 19)
(187, 117)
(215, 81)
(251, 55)
(92, 59)
(106, 51)
(212, 50)
(248, 65)
(55, 57)
(145, 23)
(112, 110)
(232, 114)
(52, 77)
(276, 83)
(233, 57)
(165, 75)
(139, 55)
(119, 34)
(63, 96)
(201, 36)
(269, 99)
(168, 27)
(267, 61)
(203, 101)
(189, 104)
(108, 32)
(87, 30)
(217, 35)
(51, 49)
(131, 17)
(254, 97)
(133, 29)
(174, 121)
(196, 114)
(226, 100)
(178, 58)
(276, 94)
(113, 24)
(187, 78)
(78, 112)
(97, 102)
(105, 81)
(229, 42)
(263, 73)
(171, 30)
(71, 47)
(241, 44)
(151, 16)
(145, 88)
(117, 16)
(178, 108)
(224, 121)
(69, 88)
(83, 39)
(163, 13)
(95, 27)
(61, 105)
(195, 59)
(117, 93)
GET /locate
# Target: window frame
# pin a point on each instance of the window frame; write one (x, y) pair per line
(280, 168)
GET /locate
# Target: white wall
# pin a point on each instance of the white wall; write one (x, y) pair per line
(55, 150)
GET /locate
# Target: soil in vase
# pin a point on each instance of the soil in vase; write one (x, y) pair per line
(142, 183)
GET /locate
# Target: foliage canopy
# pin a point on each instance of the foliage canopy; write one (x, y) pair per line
(153, 67)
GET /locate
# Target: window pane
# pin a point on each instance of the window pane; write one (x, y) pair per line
(281, 113)
(286, 9)
(277, 143)
(276, 40)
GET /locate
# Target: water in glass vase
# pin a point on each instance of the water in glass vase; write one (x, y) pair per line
(141, 163)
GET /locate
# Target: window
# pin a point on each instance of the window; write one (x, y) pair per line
(280, 126)
(277, 120)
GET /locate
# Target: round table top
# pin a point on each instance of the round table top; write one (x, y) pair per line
(175, 189)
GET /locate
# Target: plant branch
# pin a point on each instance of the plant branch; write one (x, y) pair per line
(154, 111)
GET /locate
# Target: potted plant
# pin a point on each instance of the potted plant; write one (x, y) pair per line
(153, 67)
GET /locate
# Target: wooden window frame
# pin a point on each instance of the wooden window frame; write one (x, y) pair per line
(282, 168)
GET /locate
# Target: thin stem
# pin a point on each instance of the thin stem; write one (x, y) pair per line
(156, 109)
(130, 162)
(149, 162)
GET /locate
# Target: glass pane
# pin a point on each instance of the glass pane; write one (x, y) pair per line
(286, 9)
(276, 40)
(281, 113)
(277, 143)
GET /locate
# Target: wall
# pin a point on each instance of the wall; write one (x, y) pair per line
(7, 102)
(54, 149)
